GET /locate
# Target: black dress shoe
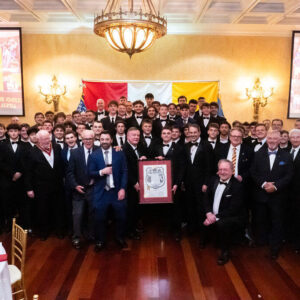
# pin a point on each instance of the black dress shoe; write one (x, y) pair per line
(121, 243)
(223, 258)
(76, 244)
(99, 246)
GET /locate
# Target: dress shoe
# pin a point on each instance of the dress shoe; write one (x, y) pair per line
(274, 254)
(223, 258)
(99, 246)
(121, 243)
(76, 243)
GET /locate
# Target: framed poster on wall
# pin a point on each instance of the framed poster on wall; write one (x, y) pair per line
(155, 181)
(294, 97)
(11, 72)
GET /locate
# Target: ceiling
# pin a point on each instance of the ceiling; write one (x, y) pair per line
(223, 17)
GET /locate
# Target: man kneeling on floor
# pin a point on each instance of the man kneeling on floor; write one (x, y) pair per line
(224, 206)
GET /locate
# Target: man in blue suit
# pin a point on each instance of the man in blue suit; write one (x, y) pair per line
(108, 168)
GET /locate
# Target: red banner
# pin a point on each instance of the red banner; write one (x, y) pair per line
(102, 90)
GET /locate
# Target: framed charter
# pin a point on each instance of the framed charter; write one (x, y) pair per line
(155, 181)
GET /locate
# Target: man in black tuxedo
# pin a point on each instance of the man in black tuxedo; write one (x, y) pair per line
(192, 109)
(293, 221)
(12, 155)
(147, 140)
(162, 121)
(214, 109)
(172, 112)
(119, 139)
(44, 182)
(134, 151)
(109, 123)
(101, 112)
(252, 137)
(261, 137)
(58, 135)
(198, 156)
(82, 188)
(271, 171)
(224, 207)
(205, 119)
(136, 119)
(167, 150)
(90, 118)
(184, 118)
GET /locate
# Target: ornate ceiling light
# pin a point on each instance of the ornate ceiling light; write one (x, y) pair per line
(130, 31)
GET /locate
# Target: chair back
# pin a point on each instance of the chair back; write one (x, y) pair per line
(18, 247)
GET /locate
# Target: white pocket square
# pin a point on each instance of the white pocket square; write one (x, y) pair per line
(228, 195)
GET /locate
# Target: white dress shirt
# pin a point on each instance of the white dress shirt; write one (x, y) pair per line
(14, 146)
(194, 150)
(135, 150)
(166, 149)
(49, 158)
(257, 147)
(229, 157)
(272, 157)
(69, 151)
(218, 196)
(214, 142)
(296, 152)
(86, 153)
(119, 140)
(110, 178)
(58, 142)
(206, 121)
(139, 120)
(147, 140)
(112, 117)
(101, 116)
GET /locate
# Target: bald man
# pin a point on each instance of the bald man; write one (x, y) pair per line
(44, 183)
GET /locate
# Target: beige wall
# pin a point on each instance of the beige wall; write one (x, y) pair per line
(235, 61)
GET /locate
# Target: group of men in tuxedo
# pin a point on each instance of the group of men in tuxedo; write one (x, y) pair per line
(222, 181)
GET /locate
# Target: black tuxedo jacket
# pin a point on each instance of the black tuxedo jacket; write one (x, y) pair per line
(198, 172)
(219, 119)
(245, 158)
(132, 122)
(180, 124)
(250, 141)
(232, 201)
(77, 171)
(281, 174)
(132, 162)
(108, 125)
(157, 126)
(204, 129)
(12, 162)
(176, 155)
(151, 148)
(98, 115)
(40, 176)
(115, 142)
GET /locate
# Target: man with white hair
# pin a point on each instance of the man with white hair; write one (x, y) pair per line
(294, 191)
(271, 171)
(44, 183)
(101, 112)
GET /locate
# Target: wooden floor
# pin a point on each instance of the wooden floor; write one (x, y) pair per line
(156, 268)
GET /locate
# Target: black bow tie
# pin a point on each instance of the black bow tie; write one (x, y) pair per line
(163, 120)
(272, 152)
(166, 145)
(101, 113)
(259, 143)
(14, 143)
(148, 137)
(194, 144)
(222, 182)
(141, 117)
(212, 142)
(205, 118)
(60, 142)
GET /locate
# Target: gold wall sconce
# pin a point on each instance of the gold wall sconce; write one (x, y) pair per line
(53, 93)
(259, 95)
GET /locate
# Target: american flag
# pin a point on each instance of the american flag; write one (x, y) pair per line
(81, 106)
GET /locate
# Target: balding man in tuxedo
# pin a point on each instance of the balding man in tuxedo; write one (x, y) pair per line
(271, 171)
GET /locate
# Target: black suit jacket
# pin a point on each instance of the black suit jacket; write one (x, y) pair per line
(281, 174)
(132, 162)
(250, 141)
(98, 115)
(180, 124)
(132, 122)
(232, 201)
(157, 126)
(108, 125)
(176, 155)
(150, 149)
(40, 176)
(77, 171)
(204, 129)
(115, 142)
(12, 162)
(245, 158)
(198, 172)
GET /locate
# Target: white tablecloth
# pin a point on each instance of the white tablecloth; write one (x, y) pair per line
(5, 287)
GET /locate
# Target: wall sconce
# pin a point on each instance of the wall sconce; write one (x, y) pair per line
(54, 94)
(259, 96)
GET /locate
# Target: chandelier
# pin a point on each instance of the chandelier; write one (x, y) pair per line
(130, 31)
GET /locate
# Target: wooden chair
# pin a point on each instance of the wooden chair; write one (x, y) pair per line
(18, 253)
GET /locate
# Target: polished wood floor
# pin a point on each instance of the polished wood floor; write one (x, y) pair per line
(157, 268)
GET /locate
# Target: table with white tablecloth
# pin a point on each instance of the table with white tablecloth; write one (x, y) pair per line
(5, 287)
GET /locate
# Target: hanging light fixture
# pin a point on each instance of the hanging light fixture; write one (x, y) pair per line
(130, 31)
